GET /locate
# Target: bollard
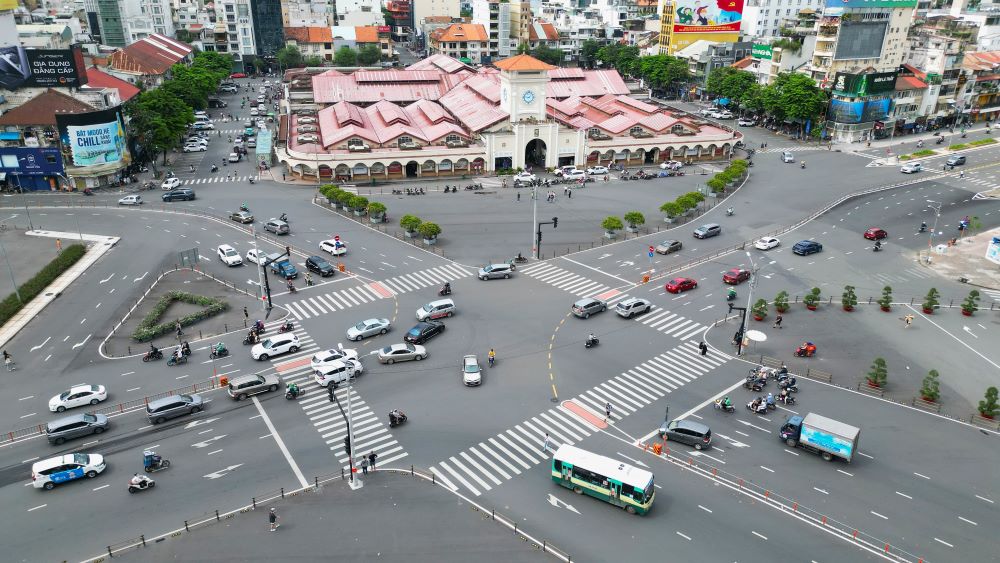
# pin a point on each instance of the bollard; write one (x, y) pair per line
(217, 515)
(795, 507)
(658, 448)
(130, 350)
(282, 492)
(316, 482)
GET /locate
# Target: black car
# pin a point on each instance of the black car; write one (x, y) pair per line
(423, 331)
(806, 247)
(179, 194)
(319, 265)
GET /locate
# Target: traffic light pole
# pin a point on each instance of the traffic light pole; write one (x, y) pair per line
(738, 338)
(265, 265)
(538, 235)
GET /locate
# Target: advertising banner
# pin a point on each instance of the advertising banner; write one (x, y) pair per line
(871, 3)
(93, 138)
(42, 68)
(846, 112)
(861, 85)
(717, 20)
(876, 109)
(30, 162)
(759, 51)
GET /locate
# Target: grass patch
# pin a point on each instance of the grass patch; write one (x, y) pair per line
(958, 147)
(925, 152)
(982, 142)
(905, 157)
(31, 288)
(148, 329)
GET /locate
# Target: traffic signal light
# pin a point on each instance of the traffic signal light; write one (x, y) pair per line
(555, 222)
(347, 445)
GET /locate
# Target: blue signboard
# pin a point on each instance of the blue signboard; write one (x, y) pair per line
(827, 442)
(21, 161)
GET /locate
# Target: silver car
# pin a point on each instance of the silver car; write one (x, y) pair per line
(366, 328)
(494, 271)
(401, 353)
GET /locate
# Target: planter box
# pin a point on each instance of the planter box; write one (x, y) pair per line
(928, 311)
(885, 309)
(848, 308)
(410, 234)
(610, 234)
(669, 220)
(781, 310)
(632, 229)
(430, 241)
(758, 318)
(966, 313)
(376, 218)
(359, 212)
(812, 307)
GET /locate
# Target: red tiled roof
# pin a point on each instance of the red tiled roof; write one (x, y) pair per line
(981, 61)
(542, 30)
(313, 34)
(910, 83)
(153, 55)
(98, 79)
(366, 34)
(461, 32)
(916, 71)
(522, 62)
(42, 109)
(743, 63)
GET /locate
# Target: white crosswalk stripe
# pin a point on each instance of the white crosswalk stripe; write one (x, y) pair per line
(370, 434)
(492, 462)
(222, 178)
(991, 294)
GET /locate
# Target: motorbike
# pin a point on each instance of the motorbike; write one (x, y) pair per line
(807, 350)
(152, 463)
(290, 395)
(789, 385)
(88, 191)
(291, 288)
(445, 290)
(218, 352)
(731, 296)
(939, 141)
(151, 355)
(287, 327)
(397, 192)
(754, 384)
(284, 217)
(215, 168)
(245, 208)
(724, 408)
(396, 417)
(143, 484)
(247, 340)
(591, 342)
(761, 407)
(877, 248)
(787, 400)
(173, 361)
(730, 211)
(520, 259)
(923, 227)
(251, 180)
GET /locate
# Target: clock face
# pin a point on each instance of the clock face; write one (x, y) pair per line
(528, 97)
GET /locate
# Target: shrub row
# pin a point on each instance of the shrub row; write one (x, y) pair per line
(148, 329)
(337, 196)
(31, 288)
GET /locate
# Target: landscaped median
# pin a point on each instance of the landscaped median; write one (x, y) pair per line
(928, 152)
(37, 284)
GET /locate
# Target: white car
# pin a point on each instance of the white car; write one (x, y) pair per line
(196, 140)
(334, 247)
(233, 157)
(337, 372)
(306, 120)
(707, 112)
(744, 122)
(195, 147)
(766, 243)
(60, 469)
(255, 256)
(911, 167)
(130, 200)
(310, 138)
(525, 177)
(320, 359)
(472, 372)
(275, 345)
(171, 183)
(723, 115)
(229, 256)
(254, 112)
(307, 129)
(597, 170)
(575, 174)
(203, 126)
(77, 396)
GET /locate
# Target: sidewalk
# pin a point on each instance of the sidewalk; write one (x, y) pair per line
(966, 259)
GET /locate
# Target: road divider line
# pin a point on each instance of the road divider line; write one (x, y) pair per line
(904, 495)
(281, 444)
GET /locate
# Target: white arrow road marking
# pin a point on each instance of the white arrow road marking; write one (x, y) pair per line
(140, 277)
(969, 330)
(603, 256)
(627, 263)
(78, 344)
(208, 442)
(556, 502)
(632, 459)
(745, 423)
(199, 423)
(736, 443)
(251, 282)
(221, 472)
(33, 348)
(108, 278)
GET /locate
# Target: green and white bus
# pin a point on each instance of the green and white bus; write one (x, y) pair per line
(601, 477)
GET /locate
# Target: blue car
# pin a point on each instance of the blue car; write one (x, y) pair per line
(284, 268)
(805, 247)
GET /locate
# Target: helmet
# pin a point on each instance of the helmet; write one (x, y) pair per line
(272, 509)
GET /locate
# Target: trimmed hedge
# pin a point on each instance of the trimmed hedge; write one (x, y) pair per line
(36, 285)
(148, 329)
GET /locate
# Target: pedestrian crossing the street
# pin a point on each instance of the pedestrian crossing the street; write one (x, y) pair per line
(329, 419)
(492, 462)
(658, 318)
(326, 303)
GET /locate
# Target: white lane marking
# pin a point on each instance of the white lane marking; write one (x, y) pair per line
(984, 498)
(767, 469)
(127, 373)
(144, 275)
(705, 509)
(44, 505)
(919, 475)
(820, 490)
(865, 455)
(879, 515)
(26, 398)
(943, 542)
(281, 444)
(27, 415)
(791, 452)
(763, 537)
(108, 278)
(845, 473)
(101, 487)
(78, 344)
(904, 495)
(33, 348)
(683, 536)
(967, 520)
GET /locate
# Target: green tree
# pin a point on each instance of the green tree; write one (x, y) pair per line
(878, 374)
(289, 56)
(193, 85)
(622, 58)
(588, 53)
(314, 61)
(988, 406)
(612, 224)
(429, 231)
(523, 48)
(793, 96)
(971, 302)
(671, 209)
(885, 302)
(216, 62)
(369, 55)
(663, 72)
(410, 223)
(849, 299)
(781, 301)
(548, 54)
(158, 119)
(345, 56)
(931, 300)
(930, 389)
(635, 219)
(759, 309)
(732, 83)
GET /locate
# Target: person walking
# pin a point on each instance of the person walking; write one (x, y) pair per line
(518, 196)
(961, 174)
(58, 245)
(704, 348)
(546, 443)
(569, 193)
(8, 361)
(177, 327)
(371, 460)
(364, 465)
(272, 517)
(607, 411)
(777, 322)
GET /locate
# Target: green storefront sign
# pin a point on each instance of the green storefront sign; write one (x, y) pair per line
(760, 51)
(861, 85)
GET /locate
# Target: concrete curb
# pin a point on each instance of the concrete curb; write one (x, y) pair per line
(99, 246)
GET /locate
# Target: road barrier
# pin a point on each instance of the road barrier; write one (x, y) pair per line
(268, 498)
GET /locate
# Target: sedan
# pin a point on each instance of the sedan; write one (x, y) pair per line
(955, 160)
(575, 175)
(401, 353)
(196, 140)
(203, 125)
(472, 372)
(130, 200)
(241, 217)
(806, 247)
(525, 177)
(597, 170)
(723, 115)
(255, 256)
(668, 246)
(423, 331)
(237, 75)
(195, 147)
(743, 122)
(766, 243)
(78, 396)
(333, 354)
(678, 285)
(334, 247)
(319, 265)
(736, 276)
(181, 194)
(876, 233)
(306, 129)
(911, 168)
(170, 183)
(366, 328)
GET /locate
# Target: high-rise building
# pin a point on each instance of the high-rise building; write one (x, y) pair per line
(268, 31)
(234, 29)
(423, 8)
(109, 16)
(494, 16)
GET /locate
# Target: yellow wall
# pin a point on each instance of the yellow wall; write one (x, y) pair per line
(679, 41)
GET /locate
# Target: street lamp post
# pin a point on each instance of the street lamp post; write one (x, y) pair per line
(753, 283)
(24, 200)
(11, 272)
(937, 215)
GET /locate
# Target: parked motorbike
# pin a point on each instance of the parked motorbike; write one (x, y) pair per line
(143, 484)
(397, 192)
(151, 355)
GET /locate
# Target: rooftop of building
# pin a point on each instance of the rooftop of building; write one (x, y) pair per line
(460, 33)
(43, 108)
(97, 79)
(523, 63)
(153, 55)
(310, 34)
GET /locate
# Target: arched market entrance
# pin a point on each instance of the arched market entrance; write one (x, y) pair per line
(534, 153)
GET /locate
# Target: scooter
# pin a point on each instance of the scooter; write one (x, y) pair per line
(397, 192)
(445, 290)
(591, 342)
(520, 259)
(787, 400)
(730, 211)
(877, 248)
(396, 418)
(731, 296)
(289, 395)
(245, 208)
(151, 355)
(218, 352)
(153, 463)
(761, 407)
(923, 227)
(173, 361)
(724, 408)
(144, 483)
(287, 327)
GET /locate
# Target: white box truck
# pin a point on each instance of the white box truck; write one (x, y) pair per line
(821, 435)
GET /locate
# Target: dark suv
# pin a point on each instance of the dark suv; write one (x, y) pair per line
(687, 432)
(319, 265)
(806, 247)
(423, 331)
(179, 194)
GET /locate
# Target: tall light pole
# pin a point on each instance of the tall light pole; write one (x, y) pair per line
(937, 215)
(24, 200)
(70, 185)
(534, 220)
(753, 283)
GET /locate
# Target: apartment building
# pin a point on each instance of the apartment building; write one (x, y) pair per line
(467, 42)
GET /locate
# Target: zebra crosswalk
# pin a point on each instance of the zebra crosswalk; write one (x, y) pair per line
(903, 275)
(326, 303)
(991, 294)
(330, 419)
(502, 457)
(658, 318)
(218, 179)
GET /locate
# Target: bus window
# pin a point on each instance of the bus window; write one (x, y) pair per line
(556, 465)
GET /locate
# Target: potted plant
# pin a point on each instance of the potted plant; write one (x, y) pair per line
(878, 375)
(930, 389)
(759, 310)
(988, 407)
(358, 204)
(410, 224)
(634, 220)
(429, 231)
(687, 203)
(885, 302)
(343, 199)
(848, 299)
(781, 302)
(611, 226)
(376, 212)
(971, 303)
(697, 197)
(931, 301)
(811, 299)
(671, 210)
(716, 185)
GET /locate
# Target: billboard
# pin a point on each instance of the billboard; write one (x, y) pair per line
(42, 68)
(861, 85)
(871, 3)
(759, 51)
(93, 138)
(861, 40)
(19, 161)
(715, 20)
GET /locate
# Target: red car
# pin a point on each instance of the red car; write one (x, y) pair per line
(678, 285)
(736, 276)
(876, 233)
(237, 75)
